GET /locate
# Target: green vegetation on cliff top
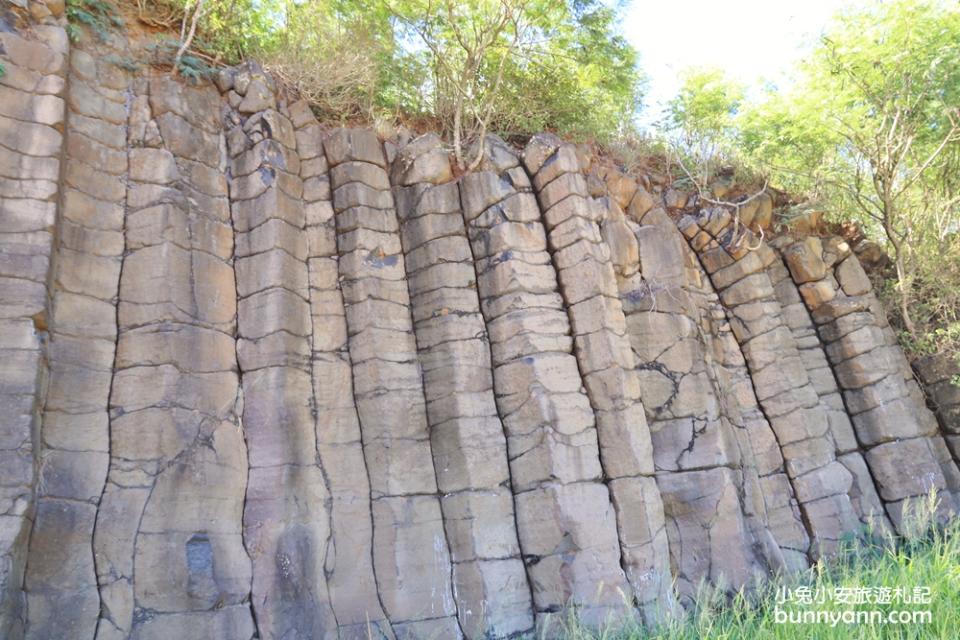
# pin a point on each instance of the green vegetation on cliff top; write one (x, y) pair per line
(868, 131)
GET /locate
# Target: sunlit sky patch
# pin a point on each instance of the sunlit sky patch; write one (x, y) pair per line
(754, 41)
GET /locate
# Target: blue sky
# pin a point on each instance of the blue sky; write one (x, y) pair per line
(752, 40)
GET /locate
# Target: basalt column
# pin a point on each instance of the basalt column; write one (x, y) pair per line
(467, 437)
(565, 519)
(768, 493)
(697, 457)
(602, 348)
(737, 264)
(863, 494)
(349, 562)
(897, 433)
(410, 552)
(768, 498)
(178, 464)
(939, 374)
(938, 441)
(286, 522)
(61, 580)
(31, 145)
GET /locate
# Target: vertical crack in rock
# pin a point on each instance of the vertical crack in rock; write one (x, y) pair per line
(349, 563)
(566, 522)
(177, 478)
(32, 159)
(902, 447)
(286, 524)
(411, 556)
(738, 268)
(105, 616)
(467, 438)
(238, 410)
(767, 496)
(704, 467)
(863, 493)
(61, 578)
(237, 143)
(606, 364)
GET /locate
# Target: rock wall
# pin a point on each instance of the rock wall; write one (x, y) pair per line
(32, 115)
(263, 378)
(902, 445)
(940, 376)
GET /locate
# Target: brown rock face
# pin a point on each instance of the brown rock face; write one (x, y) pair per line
(261, 378)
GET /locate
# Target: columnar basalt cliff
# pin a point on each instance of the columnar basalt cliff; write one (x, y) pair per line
(940, 375)
(266, 378)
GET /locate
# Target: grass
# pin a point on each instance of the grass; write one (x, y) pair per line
(927, 556)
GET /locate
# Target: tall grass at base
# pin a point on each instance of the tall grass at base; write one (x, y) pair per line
(926, 555)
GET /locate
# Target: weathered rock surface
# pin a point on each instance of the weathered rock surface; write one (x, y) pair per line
(467, 438)
(900, 440)
(565, 518)
(32, 120)
(262, 378)
(585, 273)
(705, 421)
(940, 376)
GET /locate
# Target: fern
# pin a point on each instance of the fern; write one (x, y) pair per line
(97, 15)
(190, 66)
(127, 64)
(194, 68)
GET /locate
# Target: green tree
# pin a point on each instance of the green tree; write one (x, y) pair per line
(583, 82)
(509, 66)
(784, 137)
(517, 66)
(702, 115)
(872, 129)
(339, 54)
(894, 76)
